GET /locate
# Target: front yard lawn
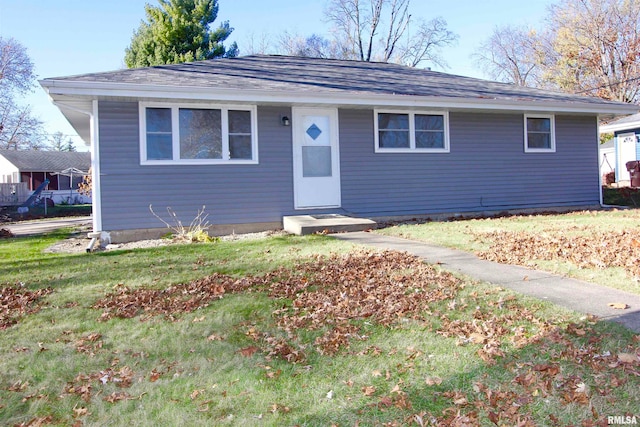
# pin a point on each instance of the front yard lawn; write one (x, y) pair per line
(289, 331)
(601, 247)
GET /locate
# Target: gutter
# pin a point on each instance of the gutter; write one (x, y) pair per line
(138, 91)
(618, 127)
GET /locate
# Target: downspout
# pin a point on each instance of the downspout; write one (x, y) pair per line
(600, 191)
(96, 196)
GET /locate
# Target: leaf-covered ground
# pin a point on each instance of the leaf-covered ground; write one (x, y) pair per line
(16, 302)
(536, 368)
(600, 247)
(597, 250)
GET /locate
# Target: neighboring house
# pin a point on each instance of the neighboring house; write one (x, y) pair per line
(607, 158)
(626, 143)
(260, 137)
(34, 167)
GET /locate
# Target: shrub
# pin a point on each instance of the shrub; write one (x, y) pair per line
(196, 231)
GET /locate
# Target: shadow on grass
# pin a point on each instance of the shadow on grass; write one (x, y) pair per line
(571, 373)
(152, 266)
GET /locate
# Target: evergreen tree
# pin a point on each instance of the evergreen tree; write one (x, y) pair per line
(178, 31)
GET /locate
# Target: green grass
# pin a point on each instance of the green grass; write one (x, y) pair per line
(464, 234)
(202, 377)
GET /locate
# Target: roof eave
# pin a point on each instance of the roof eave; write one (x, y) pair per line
(619, 127)
(95, 90)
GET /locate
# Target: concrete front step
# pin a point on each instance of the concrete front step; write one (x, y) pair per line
(332, 223)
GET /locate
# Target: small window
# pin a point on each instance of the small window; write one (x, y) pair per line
(398, 131)
(393, 130)
(429, 131)
(539, 134)
(240, 134)
(159, 134)
(185, 134)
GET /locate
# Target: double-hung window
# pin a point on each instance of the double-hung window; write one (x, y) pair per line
(411, 131)
(539, 133)
(196, 134)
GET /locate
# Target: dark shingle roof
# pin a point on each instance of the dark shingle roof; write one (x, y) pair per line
(324, 77)
(47, 161)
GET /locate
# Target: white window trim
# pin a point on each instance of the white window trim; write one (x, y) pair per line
(142, 106)
(412, 132)
(552, 122)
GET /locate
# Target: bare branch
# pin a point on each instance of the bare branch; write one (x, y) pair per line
(398, 24)
(510, 55)
(426, 45)
(594, 48)
(378, 30)
(18, 128)
(16, 69)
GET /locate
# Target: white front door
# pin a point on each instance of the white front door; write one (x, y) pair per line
(316, 161)
(626, 153)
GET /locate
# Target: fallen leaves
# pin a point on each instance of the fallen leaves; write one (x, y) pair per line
(368, 390)
(248, 351)
(431, 381)
(84, 385)
(574, 391)
(276, 407)
(577, 371)
(331, 292)
(80, 412)
(618, 305)
(37, 422)
(18, 386)
(629, 358)
(5, 233)
(89, 344)
(327, 293)
(598, 249)
(214, 337)
(331, 297)
(16, 302)
(182, 298)
(117, 396)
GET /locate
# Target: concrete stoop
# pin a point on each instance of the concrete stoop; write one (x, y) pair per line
(332, 223)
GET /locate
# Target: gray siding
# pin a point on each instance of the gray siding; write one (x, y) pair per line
(232, 193)
(486, 169)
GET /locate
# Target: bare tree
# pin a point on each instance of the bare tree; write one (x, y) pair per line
(378, 30)
(589, 47)
(427, 43)
(593, 48)
(314, 46)
(16, 69)
(19, 129)
(511, 55)
(257, 44)
(58, 141)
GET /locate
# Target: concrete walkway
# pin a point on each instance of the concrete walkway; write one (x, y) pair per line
(577, 295)
(41, 226)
